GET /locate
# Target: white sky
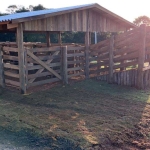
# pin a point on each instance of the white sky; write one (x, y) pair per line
(128, 9)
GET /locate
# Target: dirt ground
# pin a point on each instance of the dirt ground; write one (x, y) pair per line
(89, 114)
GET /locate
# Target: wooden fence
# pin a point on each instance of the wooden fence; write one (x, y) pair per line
(42, 64)
(123, 59)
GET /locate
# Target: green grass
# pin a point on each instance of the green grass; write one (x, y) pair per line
(88, 113)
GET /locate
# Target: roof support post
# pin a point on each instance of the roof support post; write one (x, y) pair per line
(87, 44)
(48, 40)
(59, 38)
(21, 55)
(141, 57)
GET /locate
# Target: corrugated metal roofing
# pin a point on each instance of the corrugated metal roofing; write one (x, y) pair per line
(40, 12)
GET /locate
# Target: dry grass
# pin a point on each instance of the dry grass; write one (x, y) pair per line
(91, 114)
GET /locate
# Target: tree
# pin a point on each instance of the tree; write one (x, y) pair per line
(12, 9)
(22, 9)
(38, 7)
(142, 20)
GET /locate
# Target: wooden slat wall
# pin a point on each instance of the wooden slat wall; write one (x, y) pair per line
(76, 61)
(75, 21)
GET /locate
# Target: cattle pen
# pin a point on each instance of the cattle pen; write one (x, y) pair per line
(26, 65)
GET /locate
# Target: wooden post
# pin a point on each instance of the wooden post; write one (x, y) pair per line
(48, 40)
(87, 44)
(111, 63)
(2, 79)
(21, 55)
(141, 57)
(64, 65)
(59, 38)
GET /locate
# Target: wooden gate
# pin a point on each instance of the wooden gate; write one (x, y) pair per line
(43, 65)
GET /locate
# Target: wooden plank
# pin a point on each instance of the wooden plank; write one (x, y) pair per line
(43, 64)
(10, 49)
(75, 68)
(8, 57)
(11, 26)
(77, 74)
(141, 57)
(10, 66)
(111, 63)
(126, 57)
(64, 65)
(2, 78)
(47, 49)
(15, 83)
(41, 67)
(127, 64)
(128, 49)
(76, 54)
(42, 74)
(11, 74)
(43, 82)
(75, 62)
(21, 59)
(72, 48)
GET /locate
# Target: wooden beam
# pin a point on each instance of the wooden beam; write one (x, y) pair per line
(141, 57)
(2, 78)
(59, 38)
(11, 26)
(21, 55)
(111, 63)
(64, 63)
(48, 40)
(87, 44)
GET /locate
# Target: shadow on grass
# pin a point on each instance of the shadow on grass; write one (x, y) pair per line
(89, 113)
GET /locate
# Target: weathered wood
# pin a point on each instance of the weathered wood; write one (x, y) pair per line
(87, 44)
(10, 49)
(15, 83)
(42, 74)
(41, 67)
(75, 68)
(10, 66)
(11, 74)
(21, 59)
(74, 75)
(141, 57)
(65, 66)
(11, 26)
(43, 64)
(43, 82)
(127, 64)
(2, 78)
(48, 40)
(7, 57)
(47, 49)
(47, 62)
(111, 63)
(76, 54)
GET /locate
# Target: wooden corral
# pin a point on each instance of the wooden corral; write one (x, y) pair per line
(123, 59)
(25, 65)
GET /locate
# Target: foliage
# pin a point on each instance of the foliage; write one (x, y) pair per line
(142, 20)
(38, 7)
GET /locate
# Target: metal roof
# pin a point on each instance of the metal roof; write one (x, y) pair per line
(38, 13)
(32, 14)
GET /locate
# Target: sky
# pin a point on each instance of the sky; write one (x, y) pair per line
(128, 9)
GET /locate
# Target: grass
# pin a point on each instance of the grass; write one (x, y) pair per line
(88, 113)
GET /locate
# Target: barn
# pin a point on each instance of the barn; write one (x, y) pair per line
(25, 65)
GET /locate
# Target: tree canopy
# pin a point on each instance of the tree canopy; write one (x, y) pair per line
(142, 20)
